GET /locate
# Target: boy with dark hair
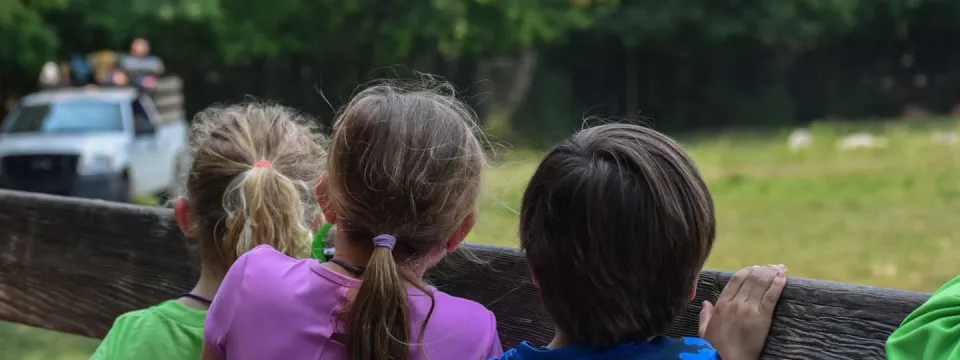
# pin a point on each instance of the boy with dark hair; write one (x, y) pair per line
(617, 224)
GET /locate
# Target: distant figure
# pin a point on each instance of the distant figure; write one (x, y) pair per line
(49, 75)
(102, 63)
(800, 139)
(81, 71)
(141, 68)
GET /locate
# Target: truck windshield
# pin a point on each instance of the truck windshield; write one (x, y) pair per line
(65, 117)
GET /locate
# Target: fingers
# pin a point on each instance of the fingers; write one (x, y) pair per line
(772, 295)
(761, 280)
(749, 283)
(733, 286)
(705, 314)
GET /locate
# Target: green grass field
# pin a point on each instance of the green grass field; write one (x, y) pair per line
(883, 217)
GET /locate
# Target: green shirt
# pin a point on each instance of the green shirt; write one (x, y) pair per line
(932, 331)
(169, 330)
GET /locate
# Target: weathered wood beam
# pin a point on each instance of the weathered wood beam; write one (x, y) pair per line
(73, 265)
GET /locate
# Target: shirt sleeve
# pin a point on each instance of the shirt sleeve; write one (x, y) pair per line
(107, 349)
(117, 344)
(495, 349)
(222, 310)
(930, 332)
(509, 355)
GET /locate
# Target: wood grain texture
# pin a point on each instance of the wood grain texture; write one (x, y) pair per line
(74, 265)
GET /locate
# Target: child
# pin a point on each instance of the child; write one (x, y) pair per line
(617, 224)
(402, 185)
(252, 182)
(932, 331)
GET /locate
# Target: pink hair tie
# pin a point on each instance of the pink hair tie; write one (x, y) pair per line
(263, 163)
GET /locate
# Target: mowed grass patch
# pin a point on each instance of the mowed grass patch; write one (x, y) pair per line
(883, 216)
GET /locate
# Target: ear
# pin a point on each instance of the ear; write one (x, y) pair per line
(461, 234)
(693, 290)
(323, 199)
(181, 211)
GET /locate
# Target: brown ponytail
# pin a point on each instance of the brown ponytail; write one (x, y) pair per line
(404, 161)
(381, 313)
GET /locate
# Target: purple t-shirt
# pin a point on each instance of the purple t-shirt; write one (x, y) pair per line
(271, 306)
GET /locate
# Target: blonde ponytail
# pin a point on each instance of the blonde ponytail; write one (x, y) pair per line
(261, 209)
(252, 181)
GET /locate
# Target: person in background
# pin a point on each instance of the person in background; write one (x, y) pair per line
(401, 186)
(10, 101)
(81, 71)
(932, 331)
(616, 224)
(252, 182)
(102, 64)
(49, 75)
(140, 66)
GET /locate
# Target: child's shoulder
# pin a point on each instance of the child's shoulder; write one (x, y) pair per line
(687, 348)
(658, 348)
(461, 308)
(467, 316)
(270, 271)
(459, 303)
(154, 330)
(265, 253)
(265, 260)
(167, 311)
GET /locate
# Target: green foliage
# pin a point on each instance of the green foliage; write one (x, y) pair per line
(27, 40)
(251, 29)
(792, 24)
(675, 60)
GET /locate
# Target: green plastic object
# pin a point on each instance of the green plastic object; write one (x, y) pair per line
(319, 240)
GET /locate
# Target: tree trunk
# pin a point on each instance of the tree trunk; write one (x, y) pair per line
(632, 93)
(509, 81)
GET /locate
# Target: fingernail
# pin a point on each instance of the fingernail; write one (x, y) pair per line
(782, 266)
(780, 274)
(704, 304)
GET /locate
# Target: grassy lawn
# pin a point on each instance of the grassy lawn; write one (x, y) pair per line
(883, 217)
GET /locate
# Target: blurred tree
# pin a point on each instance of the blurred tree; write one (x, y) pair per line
(690, 63)
(28, 41)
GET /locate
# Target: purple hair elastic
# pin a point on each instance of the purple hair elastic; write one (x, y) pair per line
(386, 241)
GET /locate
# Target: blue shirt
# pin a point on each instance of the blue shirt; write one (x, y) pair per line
(660, 347)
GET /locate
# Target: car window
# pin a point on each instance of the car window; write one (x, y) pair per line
(65, 117)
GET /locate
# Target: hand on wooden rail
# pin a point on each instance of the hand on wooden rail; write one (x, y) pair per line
(738, 324)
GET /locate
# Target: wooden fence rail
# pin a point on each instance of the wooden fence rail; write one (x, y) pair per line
(73, 265)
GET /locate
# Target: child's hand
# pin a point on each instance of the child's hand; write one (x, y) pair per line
(738, 325)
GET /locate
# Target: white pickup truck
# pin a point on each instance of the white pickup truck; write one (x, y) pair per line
(101, 143)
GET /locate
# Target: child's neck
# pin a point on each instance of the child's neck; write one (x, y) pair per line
(354, 255)
(206, 287)
(559, 340)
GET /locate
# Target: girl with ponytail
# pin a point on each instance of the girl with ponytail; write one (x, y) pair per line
(401, 186)
(251, 180)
